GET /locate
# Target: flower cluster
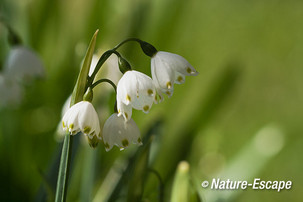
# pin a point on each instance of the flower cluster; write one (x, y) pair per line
(134, 90)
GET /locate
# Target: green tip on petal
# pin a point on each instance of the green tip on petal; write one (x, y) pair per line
(125, 143)
(87, 130)
(93, 142)
(106, 145)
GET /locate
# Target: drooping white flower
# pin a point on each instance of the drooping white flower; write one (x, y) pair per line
(23, 64)
(134, 90)
(120, 133)
(82, 117)
(168, 69)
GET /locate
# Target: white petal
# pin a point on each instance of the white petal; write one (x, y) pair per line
(88, 120)
(127, 87)
(143, 102)
(82, 117)
(120, 133)
(162, 73)
(146, 92)
(180, 78)
(136, 90)
(178, 63)
(124, 110)
(145, 83)
(70, 119)
(168, 92)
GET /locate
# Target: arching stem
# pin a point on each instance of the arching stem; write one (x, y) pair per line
(104, 80)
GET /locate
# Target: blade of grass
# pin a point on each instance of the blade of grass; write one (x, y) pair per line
(139, 171)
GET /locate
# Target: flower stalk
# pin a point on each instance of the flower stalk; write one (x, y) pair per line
(134, 90)
(77, 96)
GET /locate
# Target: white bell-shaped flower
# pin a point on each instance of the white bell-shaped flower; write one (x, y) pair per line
(168, 69)
(82, 117)
(134, 90)
(120, 133)
(23, 64)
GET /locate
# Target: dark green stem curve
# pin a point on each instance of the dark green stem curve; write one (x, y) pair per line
(126, 40)
(101, 61)
(104, 80)
(105, 56)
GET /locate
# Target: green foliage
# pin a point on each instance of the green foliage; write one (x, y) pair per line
(248, 54)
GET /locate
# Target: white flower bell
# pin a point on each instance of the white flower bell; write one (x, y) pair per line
(120, 133)
(168, 69)
(82, 117)
(23, 64)
(134, 90)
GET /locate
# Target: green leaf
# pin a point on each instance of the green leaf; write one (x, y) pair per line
(80, 86)
(63, 169)
(135, 188)
(181, 185)
(77, 96)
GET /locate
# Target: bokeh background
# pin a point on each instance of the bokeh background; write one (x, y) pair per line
(240, 118)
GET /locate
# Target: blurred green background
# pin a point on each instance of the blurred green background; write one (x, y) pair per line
(240, 118)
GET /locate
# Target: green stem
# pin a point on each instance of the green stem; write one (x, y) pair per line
(126, 40)
(101, 61)
(104, 80)
(112, 84)
(105, 56)
(64, 169)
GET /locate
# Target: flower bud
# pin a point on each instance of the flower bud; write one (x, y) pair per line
(124, 66)
(148, 49)
(88, 96)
